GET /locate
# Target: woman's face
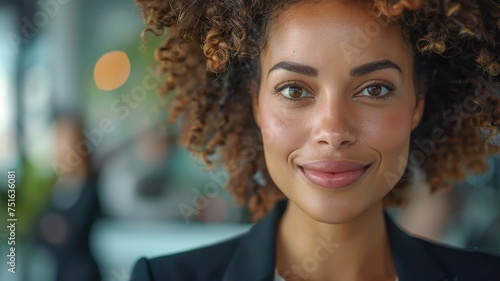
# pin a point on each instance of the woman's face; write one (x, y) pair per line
(336, 106)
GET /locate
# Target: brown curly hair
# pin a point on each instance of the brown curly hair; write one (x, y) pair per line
(210, 61)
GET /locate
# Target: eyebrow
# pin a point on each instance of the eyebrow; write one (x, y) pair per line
(374, 66)
(357, 71)
(295, 67)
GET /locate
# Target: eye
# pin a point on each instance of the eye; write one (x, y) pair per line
(376, 91)
(294, 92)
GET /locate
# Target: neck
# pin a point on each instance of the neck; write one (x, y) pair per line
(355, 250)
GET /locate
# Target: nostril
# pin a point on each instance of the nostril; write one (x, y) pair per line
(335, 139)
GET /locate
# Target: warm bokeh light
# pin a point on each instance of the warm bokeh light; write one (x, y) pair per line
(112, 70)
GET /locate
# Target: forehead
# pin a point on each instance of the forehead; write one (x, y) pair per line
(323, 31)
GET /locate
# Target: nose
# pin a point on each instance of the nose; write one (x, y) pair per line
(334, 124)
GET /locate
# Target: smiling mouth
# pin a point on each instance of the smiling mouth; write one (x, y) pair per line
(334, 179)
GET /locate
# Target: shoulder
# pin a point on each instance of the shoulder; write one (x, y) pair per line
(249, 256)
(419, 259)
(206, 263)
(462, 263)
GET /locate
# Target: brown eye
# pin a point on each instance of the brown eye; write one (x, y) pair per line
(374, 90)
(295, 92)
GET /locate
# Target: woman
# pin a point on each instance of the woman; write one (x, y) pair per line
(348, 98)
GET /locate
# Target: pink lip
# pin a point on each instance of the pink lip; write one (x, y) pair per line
(334, 174)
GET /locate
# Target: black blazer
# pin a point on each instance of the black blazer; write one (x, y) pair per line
(251, 257)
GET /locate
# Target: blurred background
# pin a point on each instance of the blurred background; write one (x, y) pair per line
(100, 180)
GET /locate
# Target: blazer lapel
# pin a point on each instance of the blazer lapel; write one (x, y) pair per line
(255, 256)
(413, 262)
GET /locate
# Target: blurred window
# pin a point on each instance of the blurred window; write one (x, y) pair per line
(9, 150)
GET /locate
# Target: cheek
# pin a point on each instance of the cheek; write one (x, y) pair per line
(272, 128)
(390, 132)
(281, 131)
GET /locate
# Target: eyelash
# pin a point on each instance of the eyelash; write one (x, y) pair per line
(277, 90)
(390, 87)
(284, 85)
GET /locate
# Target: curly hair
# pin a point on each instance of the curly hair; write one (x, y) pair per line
(210, 64)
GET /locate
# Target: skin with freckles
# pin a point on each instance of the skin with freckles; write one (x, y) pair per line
(317, 105)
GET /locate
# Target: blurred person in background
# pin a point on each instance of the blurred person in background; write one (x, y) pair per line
(321, 104)
(64, 227)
